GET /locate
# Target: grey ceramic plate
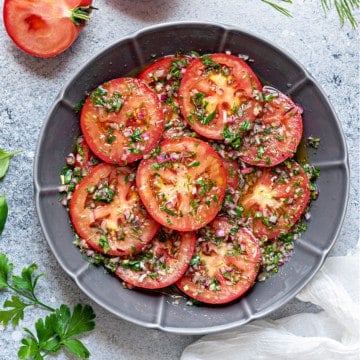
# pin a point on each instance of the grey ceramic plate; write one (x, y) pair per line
(275, 67)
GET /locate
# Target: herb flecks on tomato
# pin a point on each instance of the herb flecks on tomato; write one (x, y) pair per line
(225, 263)
(161, 263)
(122, 120)
(220, 96)
(275, 136)
(107, 213)
(240, 190)
(164, 77)
(275, 201)
(45, 28)
(182, 187)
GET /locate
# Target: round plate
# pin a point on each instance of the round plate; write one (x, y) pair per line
(273, 66)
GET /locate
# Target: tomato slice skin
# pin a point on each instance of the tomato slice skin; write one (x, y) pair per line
(85, 160)
(225, 263)
(276, 200)
(106, 211)
(183, 187)
(277, 135)
(219, 93)
(164, 76)
(161, 263)
(233, 173)
(122, 120)
(43, 28)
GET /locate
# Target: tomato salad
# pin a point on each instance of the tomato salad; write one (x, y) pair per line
(187, 176)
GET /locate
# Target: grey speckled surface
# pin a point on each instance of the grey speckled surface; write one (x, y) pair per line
(29, 86)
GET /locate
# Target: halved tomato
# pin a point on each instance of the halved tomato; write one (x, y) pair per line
(182, 187)
(276, 135)
(276, 200)
(164, 76)
(107, 213)
(225, 263)
(45, 28)
(161, 263)
(122, 120)
(220, 96)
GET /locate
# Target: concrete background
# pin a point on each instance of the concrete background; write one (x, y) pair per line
(29, 86)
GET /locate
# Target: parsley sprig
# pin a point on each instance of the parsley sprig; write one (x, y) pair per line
(52, 334)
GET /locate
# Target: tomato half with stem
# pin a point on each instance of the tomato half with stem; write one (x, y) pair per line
(225, 264)
(122, 120)
(164, 76)
(275, 136)
(184, 185)
(220, 97)
(161, 263)
(45, 28)
(276, 199)
(106, 211)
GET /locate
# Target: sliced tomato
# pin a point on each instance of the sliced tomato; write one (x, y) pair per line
(276, 199)
(45, 28)
(220, 96)
(183, 187)
(276, 135)
(107, 213)
(233, 173)
(161, 263)
(84, 160)
(225, 263)
(122, 120)
(164, 76)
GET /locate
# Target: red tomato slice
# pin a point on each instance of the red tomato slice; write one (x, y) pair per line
(122, 120)
(45, 28)
(233, 173)
(219, 96)
(164, 76)
(161, 263)
(225, 263)
(276, 135)
(183, 187)
(276, 200)
(107, 213)
(84, 160)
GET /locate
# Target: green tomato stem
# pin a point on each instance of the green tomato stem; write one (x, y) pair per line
(81, 14)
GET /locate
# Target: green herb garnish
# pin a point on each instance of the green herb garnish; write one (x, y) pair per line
(57, 331)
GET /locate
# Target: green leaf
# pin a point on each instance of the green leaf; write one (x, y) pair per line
(15, 312)
(56, 331)
(53, 333)
(5, 160)
(45, 341)
(29, 349)
(5, 269)
(25, 281)
(47, 338)
(80, 321)
(3, 212)
(77, 348)
(45, 330)
(63, 316)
